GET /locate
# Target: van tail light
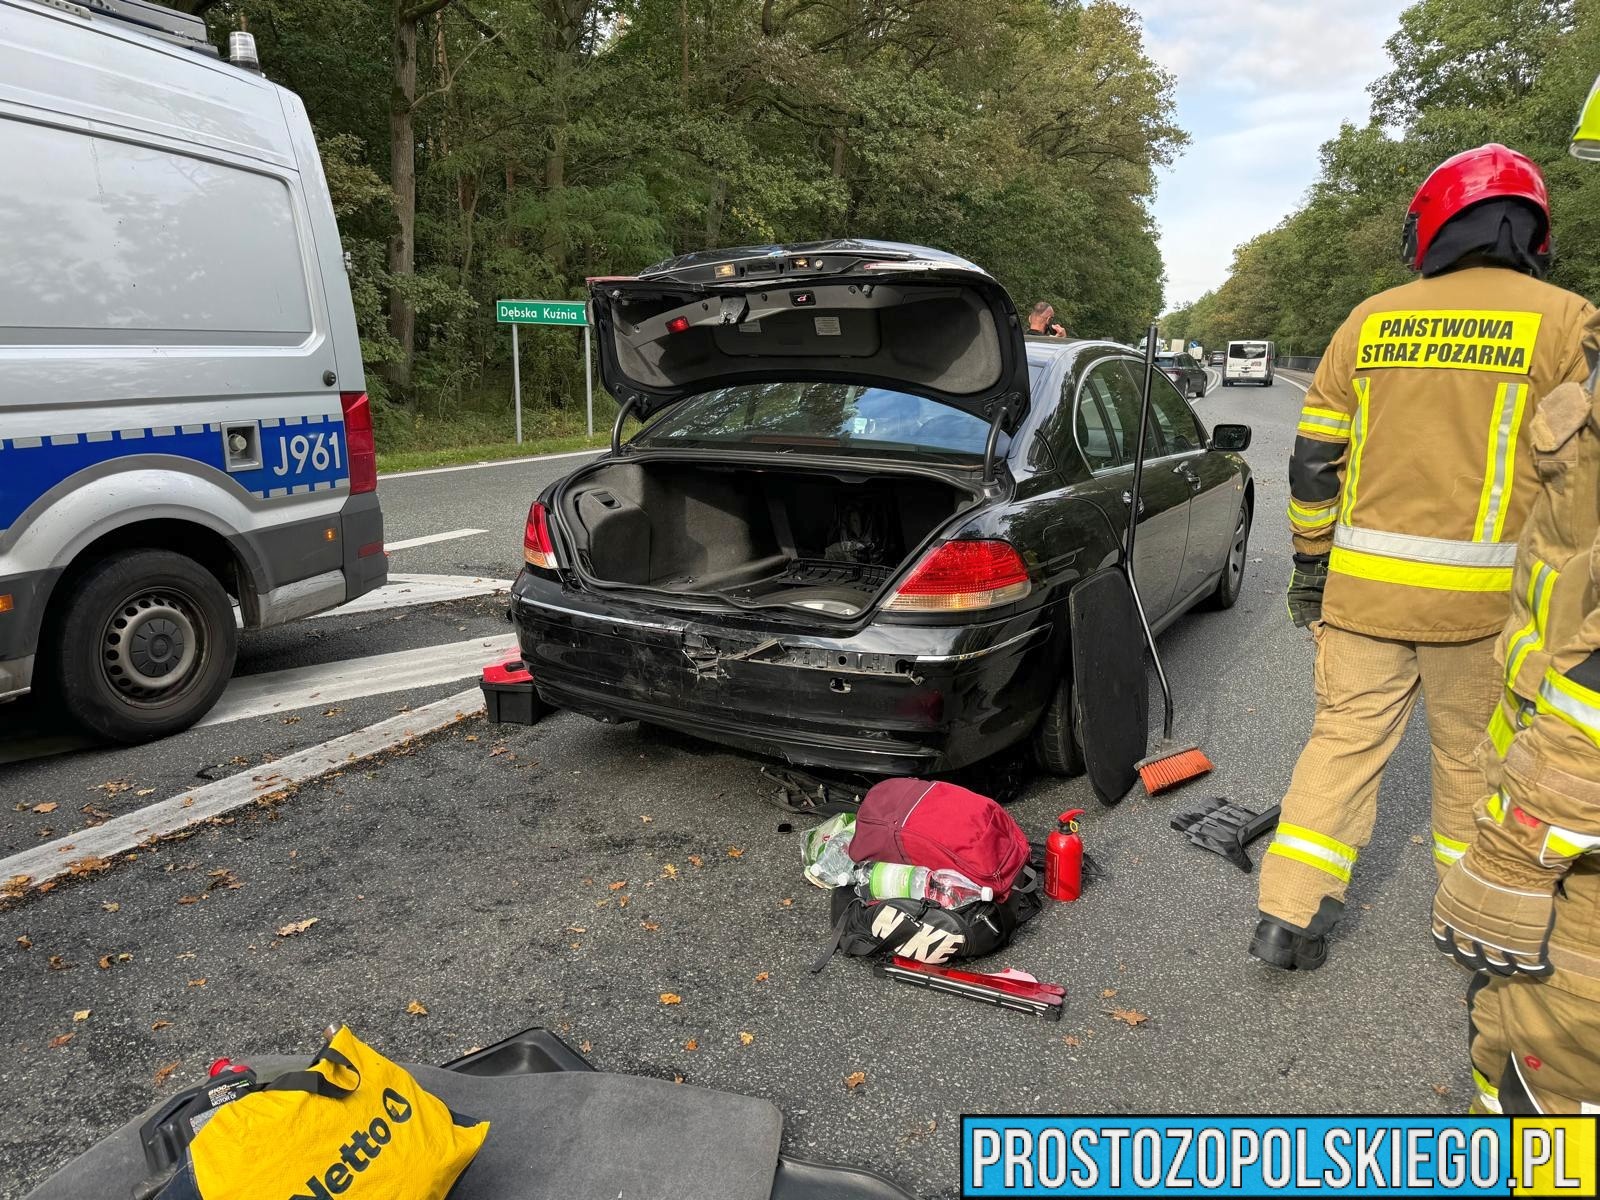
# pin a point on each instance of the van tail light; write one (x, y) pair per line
(358, 444)
(537, 548)
(963, 576)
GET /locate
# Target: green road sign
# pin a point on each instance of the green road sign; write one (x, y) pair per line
(540, 312)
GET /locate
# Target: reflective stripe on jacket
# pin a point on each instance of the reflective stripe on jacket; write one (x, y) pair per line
(1412, 463)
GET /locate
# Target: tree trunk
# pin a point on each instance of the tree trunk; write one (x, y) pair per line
(403, 179)
(714, 210)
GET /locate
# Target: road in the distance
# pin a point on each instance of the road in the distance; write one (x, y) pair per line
(474, 873)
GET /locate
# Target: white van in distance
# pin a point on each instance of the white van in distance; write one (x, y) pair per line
(1249, 362)
(183, 413)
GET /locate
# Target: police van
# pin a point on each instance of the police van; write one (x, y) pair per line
(184, 428)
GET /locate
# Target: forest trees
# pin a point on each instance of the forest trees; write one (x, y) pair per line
(526, 144)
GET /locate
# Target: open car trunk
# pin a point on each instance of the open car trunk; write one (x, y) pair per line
(820, 541)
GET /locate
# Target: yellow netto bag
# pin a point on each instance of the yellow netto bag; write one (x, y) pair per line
(353, 1126)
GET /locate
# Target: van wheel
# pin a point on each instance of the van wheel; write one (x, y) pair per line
(145, 645)
(1055, 745)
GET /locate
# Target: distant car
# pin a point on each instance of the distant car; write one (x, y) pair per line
(1218, 357)
(846, 534)
(1184, 371)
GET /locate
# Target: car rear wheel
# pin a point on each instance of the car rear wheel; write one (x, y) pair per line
(1055, 744)
(145, 645)
(1231, 581)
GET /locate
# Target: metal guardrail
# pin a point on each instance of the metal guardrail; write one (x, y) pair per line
(1297, 362)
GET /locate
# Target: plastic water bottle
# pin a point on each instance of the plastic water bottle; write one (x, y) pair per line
(895, 881)
(827, 851)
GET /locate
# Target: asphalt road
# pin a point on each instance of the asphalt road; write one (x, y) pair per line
(571, 874)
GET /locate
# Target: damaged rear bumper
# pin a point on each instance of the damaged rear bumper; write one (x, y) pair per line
(889, 699)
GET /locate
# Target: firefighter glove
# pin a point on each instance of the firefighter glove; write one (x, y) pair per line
(1494, 908)
(1309, 578)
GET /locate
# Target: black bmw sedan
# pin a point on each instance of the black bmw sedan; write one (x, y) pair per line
(847, 529)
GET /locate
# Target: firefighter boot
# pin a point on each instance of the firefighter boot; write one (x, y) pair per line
(1290, 948)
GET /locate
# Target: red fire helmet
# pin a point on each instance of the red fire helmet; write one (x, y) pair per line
(1490, 172)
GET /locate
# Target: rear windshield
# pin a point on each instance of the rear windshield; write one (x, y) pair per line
(826, 415)
(1166, 360)
(1247, 350)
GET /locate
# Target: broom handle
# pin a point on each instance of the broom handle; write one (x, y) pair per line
(1133, 525)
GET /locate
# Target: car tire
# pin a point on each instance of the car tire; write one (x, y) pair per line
(144, 645)
(1055, 740)
(1231, 582)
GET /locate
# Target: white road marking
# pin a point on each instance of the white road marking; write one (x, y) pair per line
(302, 687)
(1213, 380)
(479, 466)
(408, 543)
(53, 859)
(403, 591)
(1290, 382)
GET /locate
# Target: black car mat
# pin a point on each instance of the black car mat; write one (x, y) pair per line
(1111, 693)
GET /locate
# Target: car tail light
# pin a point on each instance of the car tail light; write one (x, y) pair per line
(537, 548)
(678, 325)
(359, 447)
(962, 576)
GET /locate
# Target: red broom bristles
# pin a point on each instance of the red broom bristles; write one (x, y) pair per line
(1163, 771)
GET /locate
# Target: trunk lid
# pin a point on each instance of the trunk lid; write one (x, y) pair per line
(890, 315)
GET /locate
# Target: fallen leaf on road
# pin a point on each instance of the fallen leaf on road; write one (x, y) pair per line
(291, 720)
(15, 886)
(57, 963)
(25, 942)
(677, 1079)
(417, 1008)
(618, 885)
(787, 902)
(746, 1039)
(332, 712)
(691, 1044)
(1108, 993)
(855, 1079)
(223, 877)
(735, 852)
(87, 866)
(191, 899)
(160, 1025)
(499, 750)
(645, 818)
(650, 926)
(472, 737)
(112, 786)
(668, 871)
(577, 929)
(1131, 1016)
(671, 998)
(622, 902)
(165, 1073)
(1416, 839)
(763, 977)
(105, 962)
(145, 792)
(1071, 1041)
(81, 1015)
(602, 903)
(111, 906)
(201, 982)
(48, 807)
(294, 927)
(696, 861)
(586, 1045)
(57, 1042)
(1441, 1089)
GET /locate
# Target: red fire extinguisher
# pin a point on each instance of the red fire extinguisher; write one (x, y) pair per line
(1063, 858)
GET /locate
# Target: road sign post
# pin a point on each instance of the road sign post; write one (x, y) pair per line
(546, 312)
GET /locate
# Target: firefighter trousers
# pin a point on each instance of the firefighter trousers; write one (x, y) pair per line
(1535, 1046)
(1366, 689)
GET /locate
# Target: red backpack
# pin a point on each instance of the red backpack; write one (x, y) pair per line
(937, 825)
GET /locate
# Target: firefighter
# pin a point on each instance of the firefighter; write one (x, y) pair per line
(1410, 478)
(1523, 904)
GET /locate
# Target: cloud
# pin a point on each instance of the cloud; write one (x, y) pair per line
(1261, 84)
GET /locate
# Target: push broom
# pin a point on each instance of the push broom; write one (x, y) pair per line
(1173, 762)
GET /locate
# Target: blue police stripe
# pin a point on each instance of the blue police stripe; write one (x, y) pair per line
(31, 466)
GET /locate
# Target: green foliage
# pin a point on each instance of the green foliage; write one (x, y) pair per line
(1464, 72)
(557, 139)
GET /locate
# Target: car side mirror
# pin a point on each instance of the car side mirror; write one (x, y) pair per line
(1230, 437)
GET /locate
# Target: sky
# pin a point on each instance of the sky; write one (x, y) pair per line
(1261, 84)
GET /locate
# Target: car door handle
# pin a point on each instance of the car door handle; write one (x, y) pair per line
(1127, 498)
(1188, 473)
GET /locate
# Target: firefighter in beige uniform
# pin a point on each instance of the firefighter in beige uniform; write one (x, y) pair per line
(1409, 481)
(1523, 903)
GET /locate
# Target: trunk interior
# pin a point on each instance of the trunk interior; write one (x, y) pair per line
(814, 540)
